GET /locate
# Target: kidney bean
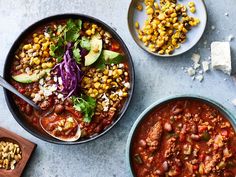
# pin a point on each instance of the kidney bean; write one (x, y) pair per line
(59, 109)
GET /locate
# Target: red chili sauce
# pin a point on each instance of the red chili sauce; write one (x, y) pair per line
(184, 138)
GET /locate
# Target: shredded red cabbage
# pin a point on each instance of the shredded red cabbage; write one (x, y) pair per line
(69, 72)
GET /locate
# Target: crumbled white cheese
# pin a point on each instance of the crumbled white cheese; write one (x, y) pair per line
(205, 66)
(230, 38)
(121, 65)
(191, 71)
(60, 96)
(55, 78)
(47, 35)
(37, 98)
(196, 65)
(119, 93)
(59, 80)
(199, 78)
(110, 73)
(195, 58)
(127, 85)
(106, 102)
(221, 57)
(234, 102)
(41, 81)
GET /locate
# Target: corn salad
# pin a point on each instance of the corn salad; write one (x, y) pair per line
(167, 25)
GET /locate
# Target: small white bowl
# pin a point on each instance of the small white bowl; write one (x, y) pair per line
(193, 36)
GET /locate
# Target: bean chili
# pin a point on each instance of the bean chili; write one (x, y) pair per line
(184, 138)
(101, 88)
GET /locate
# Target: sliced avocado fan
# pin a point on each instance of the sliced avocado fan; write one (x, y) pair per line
(26, 78)
(96, 50)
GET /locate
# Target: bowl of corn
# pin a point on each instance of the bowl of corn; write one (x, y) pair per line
(167, 28)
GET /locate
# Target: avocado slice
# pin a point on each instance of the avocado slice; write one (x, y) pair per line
(26, 78)
(96, 50)
(111, 56)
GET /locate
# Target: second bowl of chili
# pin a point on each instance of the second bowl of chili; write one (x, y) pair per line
(183, 136)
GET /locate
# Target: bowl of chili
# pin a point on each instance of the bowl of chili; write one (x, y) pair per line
(76, 67)
(183, 135)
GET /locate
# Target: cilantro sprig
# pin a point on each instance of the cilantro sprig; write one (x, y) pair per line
(86, 105)
(70, 32)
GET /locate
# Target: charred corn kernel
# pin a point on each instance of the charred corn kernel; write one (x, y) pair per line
(94, 26)
(45, 54)
(109, 81)
(44, 65)
(45, 45)
(125, 94)
(119, 71)
(93, 30)
(161, 52)
(191, 4)
(150, 11)
(136, 25)
(90, 91)
(36, 39)
(104, 86)
(36, 47)
(97, 85)
(27, 46)
(36, 60)
(139, 7)
(41, 36)
(88, 32)
(95, 79)
(193, 9)
(105, 72)
(22, 54)
(156, 5)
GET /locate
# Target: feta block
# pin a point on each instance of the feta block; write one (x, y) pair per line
(221, 57)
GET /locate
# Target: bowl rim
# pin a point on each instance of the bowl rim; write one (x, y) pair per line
(67, 16)
(227, 114)
(156, 54)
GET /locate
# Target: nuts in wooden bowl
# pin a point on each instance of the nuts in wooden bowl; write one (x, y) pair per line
(10, 155)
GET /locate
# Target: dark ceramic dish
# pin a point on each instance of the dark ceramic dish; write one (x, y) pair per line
(8, 96)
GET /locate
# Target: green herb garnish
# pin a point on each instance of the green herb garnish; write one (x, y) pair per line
(86, 105)
(205, 136)
(67, 33)
(85, 43)
(138, 159)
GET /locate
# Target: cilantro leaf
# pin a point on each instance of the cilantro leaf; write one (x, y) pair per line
(86, 105)
(76, 55)
(85, 43)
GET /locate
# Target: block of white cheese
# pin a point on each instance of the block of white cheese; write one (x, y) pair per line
(221, 57)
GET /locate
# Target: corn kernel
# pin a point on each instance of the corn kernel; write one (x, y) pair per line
(150, 11)
(193, 9)
(36, 60)
(97, 85)
(27, 46)
(88, 32)
(136, 25)
(139, 7)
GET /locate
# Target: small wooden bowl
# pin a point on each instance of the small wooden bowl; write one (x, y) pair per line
(26, 147)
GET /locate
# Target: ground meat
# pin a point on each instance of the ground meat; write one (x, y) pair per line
(171, 147)
(154, 136)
